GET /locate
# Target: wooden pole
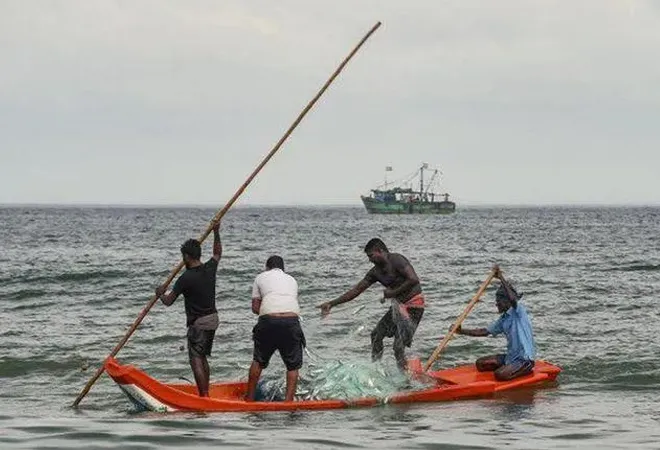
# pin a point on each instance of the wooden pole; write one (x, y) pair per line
(224, 210)
(494, 272)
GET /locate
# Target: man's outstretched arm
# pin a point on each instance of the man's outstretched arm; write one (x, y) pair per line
(349, 295)
(474, 332)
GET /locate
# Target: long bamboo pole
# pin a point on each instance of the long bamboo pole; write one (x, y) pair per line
(436, 353)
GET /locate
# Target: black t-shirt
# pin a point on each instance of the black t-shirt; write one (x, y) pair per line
(198, 288)
(392, 276)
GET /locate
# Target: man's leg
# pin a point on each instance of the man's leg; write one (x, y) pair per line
(399, 352)
(514, 370)
(199, 366)
(207, 373)
(200, 343)
(253, 379)
(291, 384)
(291, 347)
(384, 328)
(207, 369)
(264, 347)
(490, 363)
(405, 331)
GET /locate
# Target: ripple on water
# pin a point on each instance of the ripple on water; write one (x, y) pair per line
(72, 280)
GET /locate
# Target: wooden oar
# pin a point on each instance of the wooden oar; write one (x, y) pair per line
(460, 319)
(224, 210)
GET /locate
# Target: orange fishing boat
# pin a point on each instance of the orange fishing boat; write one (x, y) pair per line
(458, 383)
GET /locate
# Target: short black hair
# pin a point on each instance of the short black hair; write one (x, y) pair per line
(192, 248)
(374, 244)
(274, 262)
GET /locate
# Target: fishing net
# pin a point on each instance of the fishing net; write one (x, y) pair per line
(346, 379)
(341, 380)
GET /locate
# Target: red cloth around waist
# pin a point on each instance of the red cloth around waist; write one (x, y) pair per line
(416, 302)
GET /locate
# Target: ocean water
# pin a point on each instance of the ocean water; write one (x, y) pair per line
(73, 279)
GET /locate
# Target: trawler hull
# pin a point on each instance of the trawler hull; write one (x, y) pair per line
(375, 206)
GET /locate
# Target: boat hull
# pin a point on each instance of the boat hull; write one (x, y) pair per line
(453, 384)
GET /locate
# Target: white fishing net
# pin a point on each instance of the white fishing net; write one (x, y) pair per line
(342, 380)
(346, 379)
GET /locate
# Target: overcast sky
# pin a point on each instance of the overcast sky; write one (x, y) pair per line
(175, 102)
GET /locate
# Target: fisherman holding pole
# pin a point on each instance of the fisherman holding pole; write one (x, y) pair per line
(197, 284)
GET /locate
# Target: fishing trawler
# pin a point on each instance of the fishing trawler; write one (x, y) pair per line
(406, 200)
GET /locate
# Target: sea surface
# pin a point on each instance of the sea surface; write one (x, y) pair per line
(72, 280)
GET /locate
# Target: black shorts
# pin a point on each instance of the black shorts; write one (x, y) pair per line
(200, 342)
(283, 334)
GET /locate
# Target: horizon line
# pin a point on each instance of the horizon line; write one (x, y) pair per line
(307, 205)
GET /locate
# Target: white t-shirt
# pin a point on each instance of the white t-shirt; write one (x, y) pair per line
(278, 292)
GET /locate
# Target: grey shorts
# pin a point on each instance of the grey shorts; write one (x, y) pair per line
(200, 342)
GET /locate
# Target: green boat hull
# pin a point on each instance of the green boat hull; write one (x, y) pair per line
(375, 206)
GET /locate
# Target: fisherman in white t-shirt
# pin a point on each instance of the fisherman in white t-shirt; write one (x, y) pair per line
(275, 300)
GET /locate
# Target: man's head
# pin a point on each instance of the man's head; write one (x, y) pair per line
(502, 299)
(376, 251)
(191, 251)
(275, 262)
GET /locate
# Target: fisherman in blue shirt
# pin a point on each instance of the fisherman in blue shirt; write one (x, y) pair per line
(514, 323)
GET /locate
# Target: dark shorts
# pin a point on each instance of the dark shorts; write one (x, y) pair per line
(283, 334)
(505, 371)
(200, 342)
(387, 327)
